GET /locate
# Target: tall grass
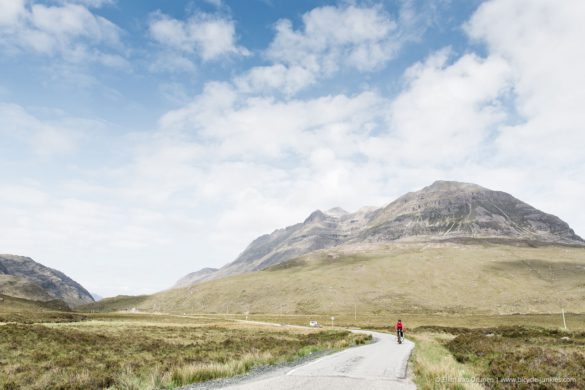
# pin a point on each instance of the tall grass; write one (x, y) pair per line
(191, 373)
(435, 368)
(141, 355)
(204, 372)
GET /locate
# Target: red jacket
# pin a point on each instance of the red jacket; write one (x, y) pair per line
(399, 326)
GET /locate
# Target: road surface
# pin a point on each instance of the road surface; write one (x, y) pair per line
(379, 365)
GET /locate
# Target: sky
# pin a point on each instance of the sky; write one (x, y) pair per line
(143, 140)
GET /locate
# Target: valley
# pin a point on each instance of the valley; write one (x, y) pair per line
(455, 261)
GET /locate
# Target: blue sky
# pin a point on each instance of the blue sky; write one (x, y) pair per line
(140, 141)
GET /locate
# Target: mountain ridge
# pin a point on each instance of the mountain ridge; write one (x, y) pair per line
(22, 277)
(444, 210)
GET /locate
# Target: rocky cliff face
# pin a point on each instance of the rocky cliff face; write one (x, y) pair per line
(451, 209)
(444, 210)
(22, 277)
(320, 230)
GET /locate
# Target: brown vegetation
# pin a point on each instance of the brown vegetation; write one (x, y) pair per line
(506, 357)
(418, 278)
(147, 352)
(520, 357)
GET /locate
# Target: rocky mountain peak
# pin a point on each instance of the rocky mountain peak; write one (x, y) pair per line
(452, 186)
(447, 209)
(315, 216)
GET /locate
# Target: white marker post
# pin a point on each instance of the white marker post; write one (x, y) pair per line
(332, 319)
(564, 322)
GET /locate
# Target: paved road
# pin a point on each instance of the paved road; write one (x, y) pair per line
(380, 365)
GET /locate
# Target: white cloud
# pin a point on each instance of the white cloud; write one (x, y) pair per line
(543, 42)
(22, 194)
(70, 30)
(44, 138)
(205, 35)
(266, 79)
(90, 3)
(11, 11)
(268, 162)
(359, 37)
(347, 37)
(264, 128)
(172, 62)
(454, 105)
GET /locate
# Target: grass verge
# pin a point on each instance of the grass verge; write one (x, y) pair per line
(433, 364)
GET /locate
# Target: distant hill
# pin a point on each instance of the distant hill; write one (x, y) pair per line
(117, 303)
(22, 277)
(443, 211)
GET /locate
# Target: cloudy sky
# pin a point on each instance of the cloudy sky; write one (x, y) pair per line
(142, 140)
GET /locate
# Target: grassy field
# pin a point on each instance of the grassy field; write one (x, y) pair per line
(148, 351)
(144, 350)
(383, 322)
(448, 278)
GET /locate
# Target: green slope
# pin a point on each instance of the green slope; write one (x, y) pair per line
(401, 277)
(27, 311)
(118, 303)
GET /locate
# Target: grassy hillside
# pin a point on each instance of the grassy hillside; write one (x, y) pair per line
(26, 311)
(119, 303)
(402, 277)
(19, 287)
(10, 304)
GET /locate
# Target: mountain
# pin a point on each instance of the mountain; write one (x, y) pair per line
(22, 277)
(195, 277)
(20, 287)
(451, 209)
(445, 210)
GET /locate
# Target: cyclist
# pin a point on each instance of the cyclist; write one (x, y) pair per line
(399, 330)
